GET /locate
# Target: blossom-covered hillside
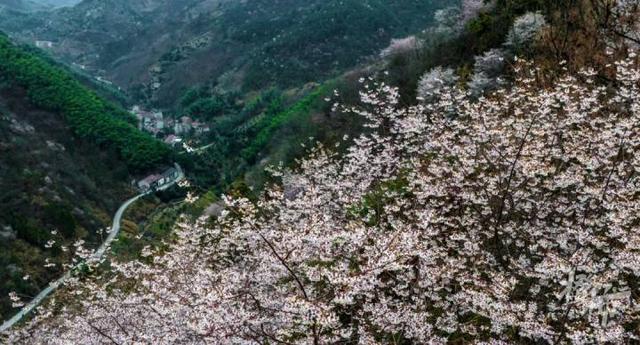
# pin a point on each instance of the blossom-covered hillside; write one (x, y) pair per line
(510, 219)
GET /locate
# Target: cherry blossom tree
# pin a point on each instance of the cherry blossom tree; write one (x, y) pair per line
(435, 81)
(401, 46)
(470, 9)
(488, 69)
(450, 21)
(514, 221)
(619, 20)
(524, 30)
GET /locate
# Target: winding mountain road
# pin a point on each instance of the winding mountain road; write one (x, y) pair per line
(98, 255)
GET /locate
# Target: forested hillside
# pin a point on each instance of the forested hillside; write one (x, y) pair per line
(250, 70)
(66, 158)
(34, 5)
(160, 48)
(20, 5)
(237, 66)
(90, 117)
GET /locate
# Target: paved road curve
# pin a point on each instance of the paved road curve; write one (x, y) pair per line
(100, 252)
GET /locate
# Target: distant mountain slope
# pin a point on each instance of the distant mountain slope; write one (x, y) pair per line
(159, 47)
(35, 5)
(22, 5)
(57, 3)
(61, 177)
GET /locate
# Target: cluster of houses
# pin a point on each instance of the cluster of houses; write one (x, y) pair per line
(150, 121)
(158, 180)
(187, 124)
(168, 129)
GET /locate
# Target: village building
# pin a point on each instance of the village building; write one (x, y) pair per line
(186, 120)
(200, 128)
(155, 122)
(169, 175)
(172, 140)
(179, 129)
(159, 120)
(184, 126)
(158, 180)
(148, 182)
(152, 122)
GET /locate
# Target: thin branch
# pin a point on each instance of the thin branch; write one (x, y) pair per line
(102, 333)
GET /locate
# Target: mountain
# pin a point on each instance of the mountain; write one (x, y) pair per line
(21, 5)
(63, 167)
(459, 209)
(251, 70)
(159, 48)
(491, 199)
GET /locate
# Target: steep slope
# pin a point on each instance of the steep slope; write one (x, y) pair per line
(52, 88)
(509, 219)
(159, 47)
(61, 177)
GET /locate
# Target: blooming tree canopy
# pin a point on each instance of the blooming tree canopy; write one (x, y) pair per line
(524, 30)
(515, 220)
(401, 46)
(450, 21)
(435, 81)
(470, 9)
(488, 69)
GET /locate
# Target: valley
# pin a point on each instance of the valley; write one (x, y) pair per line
(319, 172)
